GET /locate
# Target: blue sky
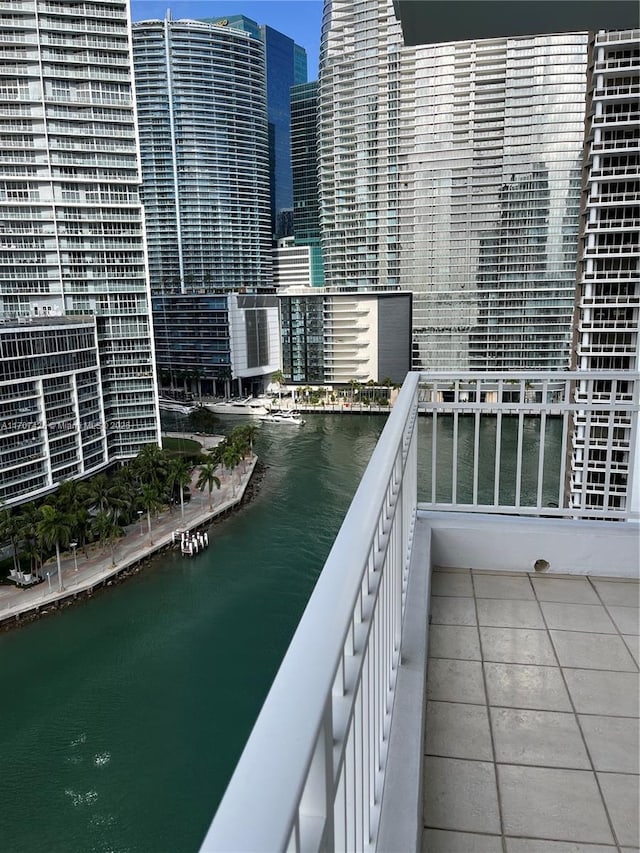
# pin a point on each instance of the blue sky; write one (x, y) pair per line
(298, 19)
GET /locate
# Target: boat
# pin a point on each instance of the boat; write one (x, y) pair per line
(282, 418)
(251, 406)
(168, 405)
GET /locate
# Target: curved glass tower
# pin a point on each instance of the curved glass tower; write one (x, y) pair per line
(204, 144)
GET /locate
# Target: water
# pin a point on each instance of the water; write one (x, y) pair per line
(123, 717)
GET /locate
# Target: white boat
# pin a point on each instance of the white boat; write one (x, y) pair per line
(282, 418)
(174, 406)
(251, 406)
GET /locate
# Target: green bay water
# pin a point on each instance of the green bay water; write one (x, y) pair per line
(123, 716)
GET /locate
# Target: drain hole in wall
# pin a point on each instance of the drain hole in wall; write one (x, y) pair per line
(541, 565)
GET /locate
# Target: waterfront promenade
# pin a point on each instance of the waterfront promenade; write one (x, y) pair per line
(82, 574)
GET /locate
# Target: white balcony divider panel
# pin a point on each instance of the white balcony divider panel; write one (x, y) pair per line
(311, 776)
(599, 412)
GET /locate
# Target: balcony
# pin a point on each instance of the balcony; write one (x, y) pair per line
(502, 613)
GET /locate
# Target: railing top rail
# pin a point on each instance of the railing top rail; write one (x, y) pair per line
(263, 777)
(524, 375)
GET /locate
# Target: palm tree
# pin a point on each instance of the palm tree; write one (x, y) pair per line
(149, 499)
(54, 530)
(29, 519)
(70, 495)
(151, 465)
(10, 529)
(207, 478)
(250, 432)
(231, 458)
(179, 475)
(280, 379)
(103, 494)
(107, 530)
(81, 522)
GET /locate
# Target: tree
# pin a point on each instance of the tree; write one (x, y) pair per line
(280, 380)
(149, 500)
(179, 475)
(10, 529)
(250, 432)
(104, 494)
(107, 529)
(207, 478)
(150, 465)
(28, 521)
(81, 521)
(70, 496)
(231, 456)
(54, 530)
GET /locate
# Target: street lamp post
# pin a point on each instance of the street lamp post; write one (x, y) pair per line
(140, 514)
(49, 580)
(73, 546)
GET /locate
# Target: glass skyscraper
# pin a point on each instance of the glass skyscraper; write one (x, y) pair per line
(497, 160)
(304, 161)
(286, 66)
(204, 144)
(454, 171)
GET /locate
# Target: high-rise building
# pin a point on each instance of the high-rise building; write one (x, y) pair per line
(366, 113)
(608, 299)
(453, 170)
(205, 156)
(286, 66)
(304, 165)
(497, 159)
(77, 377)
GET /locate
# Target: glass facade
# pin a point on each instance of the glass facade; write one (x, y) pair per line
(365, 99)
(205, 156)
(304, 161)
(453, 171)
(302, 332)
(192, 337)
(72, 239)
(499, 131)
(286, 66)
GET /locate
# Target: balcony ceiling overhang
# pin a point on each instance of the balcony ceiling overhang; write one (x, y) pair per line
(431, 21)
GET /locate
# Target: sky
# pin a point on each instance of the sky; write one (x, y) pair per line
(298, 19)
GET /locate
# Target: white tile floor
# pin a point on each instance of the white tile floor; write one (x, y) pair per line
(531, 742)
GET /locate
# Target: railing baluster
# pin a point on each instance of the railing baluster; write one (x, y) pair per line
(496, 467)
(541, 456)
(476, 456)
(518, 500)
(434, 457)
(454, 461)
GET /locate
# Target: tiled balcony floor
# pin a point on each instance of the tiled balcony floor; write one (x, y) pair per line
(532, 714)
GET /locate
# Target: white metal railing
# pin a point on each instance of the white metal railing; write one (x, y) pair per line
(501, 443)
(312, 773)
